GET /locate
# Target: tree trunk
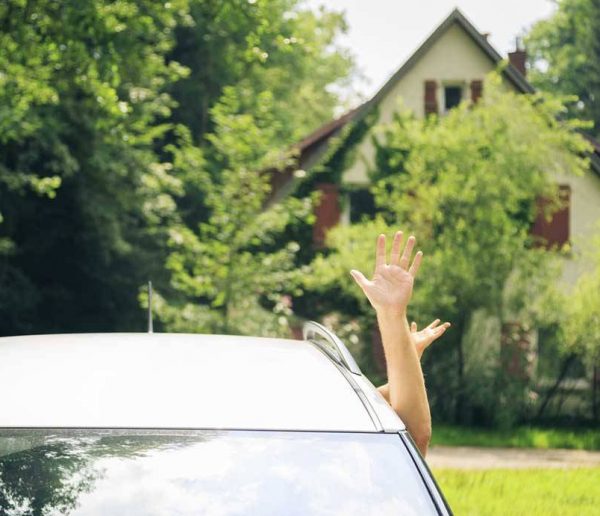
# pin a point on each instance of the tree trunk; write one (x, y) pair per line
(595, 382)
(461, 402)
(561, 376)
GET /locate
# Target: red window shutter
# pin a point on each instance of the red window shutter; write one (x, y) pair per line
(476, 90)
(555, 231)
(431, 105)
(327, 212)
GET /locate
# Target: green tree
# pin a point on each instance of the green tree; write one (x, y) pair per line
(264, 45)
(229, 272)
(564, 51)
(466, 185)
(269, 46)
(581, 324)
(262, 77)
(82, 102)
(94, 109)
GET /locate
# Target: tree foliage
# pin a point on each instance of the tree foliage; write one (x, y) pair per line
(231, 262)
(466, 185)
(113, 122)
(581, 324)
(565, 53)
(82, 100)
(267, 45)
(230, 271)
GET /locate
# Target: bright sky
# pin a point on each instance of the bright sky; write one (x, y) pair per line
(384, 33)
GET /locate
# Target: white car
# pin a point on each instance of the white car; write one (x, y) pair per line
(176, 424)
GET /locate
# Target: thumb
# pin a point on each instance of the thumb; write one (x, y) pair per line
(360, 278)
(413, 327)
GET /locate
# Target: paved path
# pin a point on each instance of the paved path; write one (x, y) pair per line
(463, 457)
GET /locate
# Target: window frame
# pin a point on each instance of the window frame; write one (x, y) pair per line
(436, 494)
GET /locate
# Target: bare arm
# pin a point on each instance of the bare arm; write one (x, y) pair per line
(406, 385)
(422, 339)
(389, 292)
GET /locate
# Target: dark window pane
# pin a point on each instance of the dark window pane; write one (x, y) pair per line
(453, 96)
(208, 472)
(362, 204)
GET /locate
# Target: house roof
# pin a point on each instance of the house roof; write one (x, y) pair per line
(595, 155)
(327, 129)
(595, 143)
(512, 74)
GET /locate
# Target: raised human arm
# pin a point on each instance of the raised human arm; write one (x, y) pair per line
(389, 292)
(422, 339)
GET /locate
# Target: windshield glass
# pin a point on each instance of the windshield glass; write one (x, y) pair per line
(207, 472)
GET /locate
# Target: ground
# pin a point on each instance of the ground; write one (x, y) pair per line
(467, 457)
(517, 481)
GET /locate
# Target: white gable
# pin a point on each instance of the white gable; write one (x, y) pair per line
(454, 59)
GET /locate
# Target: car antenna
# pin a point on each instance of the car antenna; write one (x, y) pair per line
(150, 329)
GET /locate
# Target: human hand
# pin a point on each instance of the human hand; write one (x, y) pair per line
(390, 289)
(427, 335)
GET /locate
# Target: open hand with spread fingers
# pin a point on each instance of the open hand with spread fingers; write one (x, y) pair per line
(389, 291)
(423, 338)
(391, 287)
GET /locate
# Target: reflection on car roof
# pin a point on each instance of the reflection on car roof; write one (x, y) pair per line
(131, 380)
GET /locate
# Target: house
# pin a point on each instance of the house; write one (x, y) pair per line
(448, 67)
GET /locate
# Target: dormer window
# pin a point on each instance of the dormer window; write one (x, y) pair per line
(453, 95)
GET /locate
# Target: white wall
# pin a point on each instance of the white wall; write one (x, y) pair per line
(584, 222)
(454, 59)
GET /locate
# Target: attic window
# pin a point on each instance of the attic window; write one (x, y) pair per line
(452, 96)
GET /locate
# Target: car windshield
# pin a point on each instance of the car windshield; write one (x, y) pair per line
(207, 472)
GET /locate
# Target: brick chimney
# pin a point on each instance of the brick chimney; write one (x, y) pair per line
(518, 58)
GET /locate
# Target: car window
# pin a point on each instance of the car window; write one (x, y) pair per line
(208, 472)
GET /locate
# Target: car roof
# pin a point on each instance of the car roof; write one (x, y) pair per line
(162, 380)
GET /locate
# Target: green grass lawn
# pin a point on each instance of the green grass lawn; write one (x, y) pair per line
(524, 437)
(521, 492)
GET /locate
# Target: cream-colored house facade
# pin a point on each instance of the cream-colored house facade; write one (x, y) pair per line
(447, 68)
(583, 221)
(451, 59)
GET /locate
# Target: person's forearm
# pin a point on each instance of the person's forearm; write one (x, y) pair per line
(406, 384)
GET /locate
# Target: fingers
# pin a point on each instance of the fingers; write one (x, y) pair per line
(406, 254)
(439, 331)
(413, 327)
(380, 251)
(395, 258)
(435, 333)
(414, 268)
(433, 324)
(360, 279)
